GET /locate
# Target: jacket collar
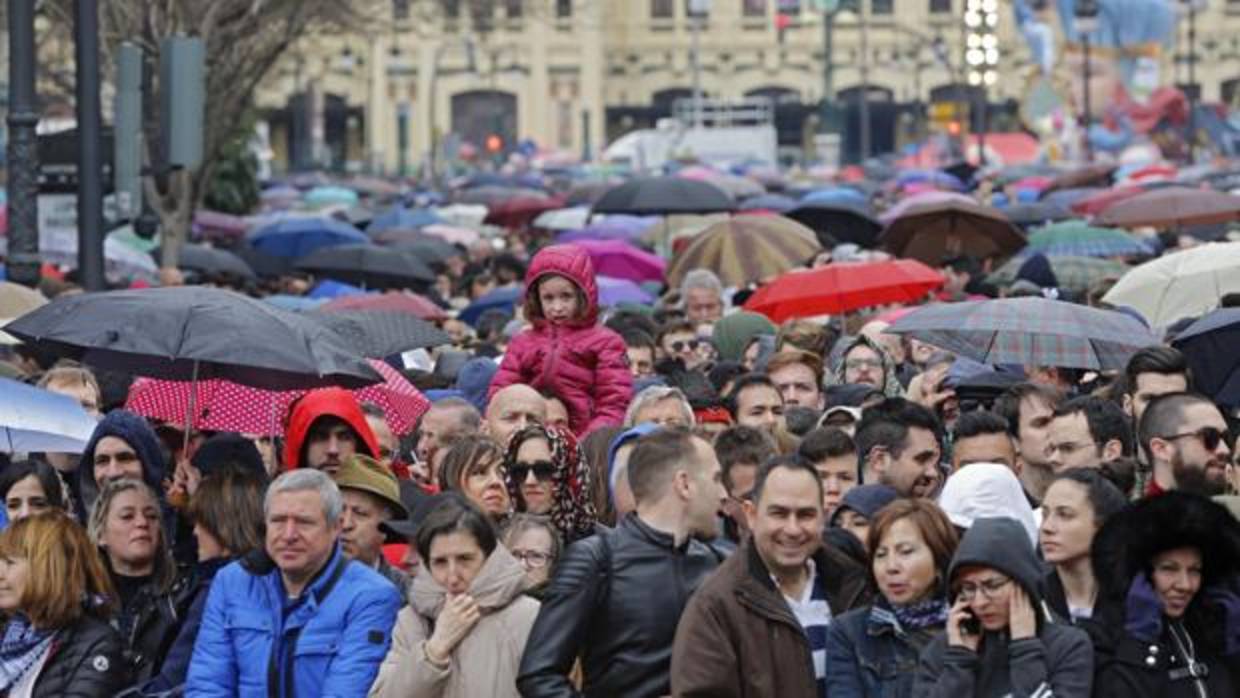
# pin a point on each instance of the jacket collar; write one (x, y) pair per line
(651, 534)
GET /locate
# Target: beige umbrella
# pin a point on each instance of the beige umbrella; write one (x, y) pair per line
(745, 249)
(1180, 284)
(16, 300)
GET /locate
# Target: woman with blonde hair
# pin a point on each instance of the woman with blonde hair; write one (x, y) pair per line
(55, 596)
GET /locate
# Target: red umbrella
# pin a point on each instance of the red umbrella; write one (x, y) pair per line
(222, 405)
(1096, 203)
(520, 211)
(411, 303)
(840, 288)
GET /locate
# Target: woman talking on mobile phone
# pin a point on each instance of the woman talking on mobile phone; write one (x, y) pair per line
(1000, 641)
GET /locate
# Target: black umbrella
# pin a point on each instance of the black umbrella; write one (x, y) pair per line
(428, 248)
(662, 196)
(834, 223)
(205, 259)
(1209, 346)
(1036, 214)
(188, 332)
(370, 265)
(357, 216)
(380, 333)
(263, 264)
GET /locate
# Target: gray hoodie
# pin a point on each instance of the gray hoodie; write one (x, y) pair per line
(1057, 663)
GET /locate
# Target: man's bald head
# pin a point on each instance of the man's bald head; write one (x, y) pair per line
(513, 408)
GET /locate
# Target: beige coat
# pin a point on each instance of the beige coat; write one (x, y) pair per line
(485, 663)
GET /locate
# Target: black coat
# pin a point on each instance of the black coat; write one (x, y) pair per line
(85, 662)
(1129, 667)
(615, 600)
(149, 625)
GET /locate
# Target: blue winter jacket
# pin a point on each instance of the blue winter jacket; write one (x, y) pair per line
(254, 643)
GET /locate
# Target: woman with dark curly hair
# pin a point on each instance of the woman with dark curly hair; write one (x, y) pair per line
(548, 475)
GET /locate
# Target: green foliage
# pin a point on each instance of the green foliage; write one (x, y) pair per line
(234, 181)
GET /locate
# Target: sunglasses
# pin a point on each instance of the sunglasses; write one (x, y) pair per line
(543, 470)
(1210, 437)
(678, 347)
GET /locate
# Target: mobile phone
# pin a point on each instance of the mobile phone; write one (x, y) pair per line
(970, 625)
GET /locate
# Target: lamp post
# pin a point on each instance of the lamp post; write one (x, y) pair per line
(698, 10)
(433, 93)
(828, 8)
(1192, 77)
(22, 151)
(1086, 20)
(981, 20)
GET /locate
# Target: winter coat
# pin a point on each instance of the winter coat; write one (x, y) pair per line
(135, 431)
(485, 663)
(175, 666)
(614, 601)
(739, 639)
(582, 362)
(328, 643)
(1056, 661)
(149, 625)
(325, 402)
(84, 662)
(870, 656)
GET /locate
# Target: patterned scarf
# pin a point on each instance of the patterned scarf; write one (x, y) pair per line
(928, 613)
(20, 649)
(572, 511)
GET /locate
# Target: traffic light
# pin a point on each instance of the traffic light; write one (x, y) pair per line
(494, 143)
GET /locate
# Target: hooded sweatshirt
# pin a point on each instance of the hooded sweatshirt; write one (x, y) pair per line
(982, 490)
(1057, 661)
(891, 382)
(133, 430)
(583, 363)
(325, 402)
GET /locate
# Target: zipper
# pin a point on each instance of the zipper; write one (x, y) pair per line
(553, 357)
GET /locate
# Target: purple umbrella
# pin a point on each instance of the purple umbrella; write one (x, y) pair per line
(616, 291)
(214, 224)
(619, 227)
(623, 261)
(929, 197)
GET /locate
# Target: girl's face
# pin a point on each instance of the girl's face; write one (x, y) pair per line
(26, 498)
(1068, 524)
(559, 298)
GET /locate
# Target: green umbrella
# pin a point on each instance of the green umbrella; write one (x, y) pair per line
(1076, 238)
(1075, 274)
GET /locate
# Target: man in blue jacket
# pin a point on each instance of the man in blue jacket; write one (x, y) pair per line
(300, 620)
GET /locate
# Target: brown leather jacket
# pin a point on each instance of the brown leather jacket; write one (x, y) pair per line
(738, 638)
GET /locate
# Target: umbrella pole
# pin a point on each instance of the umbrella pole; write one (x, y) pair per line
(189, 410)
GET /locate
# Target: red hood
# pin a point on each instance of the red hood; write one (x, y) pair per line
(326, 402)
(571, 262)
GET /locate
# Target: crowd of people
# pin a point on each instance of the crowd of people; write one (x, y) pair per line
(682, 500)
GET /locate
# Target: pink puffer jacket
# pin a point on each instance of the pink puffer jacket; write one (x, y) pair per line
(583, 363)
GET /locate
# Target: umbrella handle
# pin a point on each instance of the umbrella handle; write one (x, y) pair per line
(189, 410)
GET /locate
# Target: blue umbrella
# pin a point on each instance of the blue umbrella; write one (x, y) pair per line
(34, 419)
(769, 202)
(287, 302)
(1064, 198)
(503, 298)
(837, 196)
(613, 291)
(330, 196)
(398, 218)
(299, 236)
(328, 289)
(936, 177)
(1209, 346)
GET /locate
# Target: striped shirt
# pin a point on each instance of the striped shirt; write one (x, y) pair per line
(814, 614)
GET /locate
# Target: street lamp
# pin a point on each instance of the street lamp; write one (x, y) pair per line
(1191, 6)
(432, 94)
(1086, 20)
(981, 21)
(698, 10)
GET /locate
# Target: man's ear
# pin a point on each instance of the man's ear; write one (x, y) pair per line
(1111, 450)
(682, 482)
(751, 512)
(874, 465)
(1126, 403)
(1161, 449)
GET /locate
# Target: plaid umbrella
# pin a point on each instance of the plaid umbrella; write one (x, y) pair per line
(1029, 332)
(934, 232)
(840, 288)
(222, 405)
(745, 249)
(1180, 284)
(1172, 207)
(1080, 239)
(1075, 274)
(408, 303)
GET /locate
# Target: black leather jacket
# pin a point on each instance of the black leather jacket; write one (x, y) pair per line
(615, 600)
(85, 662)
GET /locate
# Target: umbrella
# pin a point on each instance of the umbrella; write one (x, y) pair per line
(1181, 284)
(370, 265)
(263, 264)
(617, 227)
(1074, 274)
(469, 215)
(913, 201)
(834, 223)
(214, 224)
(212, 261)
(329, 195)
(38, 420)
(836, 196)
(453, 234)
(492, 195)
(768, 202)
(936, 178)
(664, 195)
(563, 218)
(287, 302)
(518, 212)
(613, 291)
(1172, 207)
(586, 193)
(1029, 332)
(399, 218)
(1094, 204)
(746, 249)
(380, 333)
(16, 299)
(841, 288)
(1077, 238)
(121, 263)
(1041, 213)
(221, 405)
(327, 289)
(621, 260)
(395, 301)
(431, 249)
(1209, 346)
(299, 236)
(187, 332)
(934, 232)
(504, 298)
(1088, 176)
(1065, 198)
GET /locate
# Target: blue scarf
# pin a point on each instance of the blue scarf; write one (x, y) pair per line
(22, 647)
(929, 613)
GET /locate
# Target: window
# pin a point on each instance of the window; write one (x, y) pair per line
(788, 7)
(660, 9)
(940, 6)
(753, 8)
(513, 8)
(697, 8)
(881, 7)
(451, 9)
(563, 9)
(400, 9)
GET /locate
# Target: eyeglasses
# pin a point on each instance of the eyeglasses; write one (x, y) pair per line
(863, 363)
(678, 347)
(543, 470)
(1210, 437)
(989, 589)
(533, 559)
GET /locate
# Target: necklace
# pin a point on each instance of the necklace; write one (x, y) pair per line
(1193, 669)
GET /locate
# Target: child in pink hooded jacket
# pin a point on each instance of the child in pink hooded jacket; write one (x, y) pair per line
(567, 352)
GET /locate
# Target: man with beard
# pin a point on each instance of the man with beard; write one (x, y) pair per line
(898, 444)
(1188, 443)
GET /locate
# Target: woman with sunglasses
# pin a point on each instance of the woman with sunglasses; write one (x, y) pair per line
(1169, 570)
(547, 475)
(999, 641)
